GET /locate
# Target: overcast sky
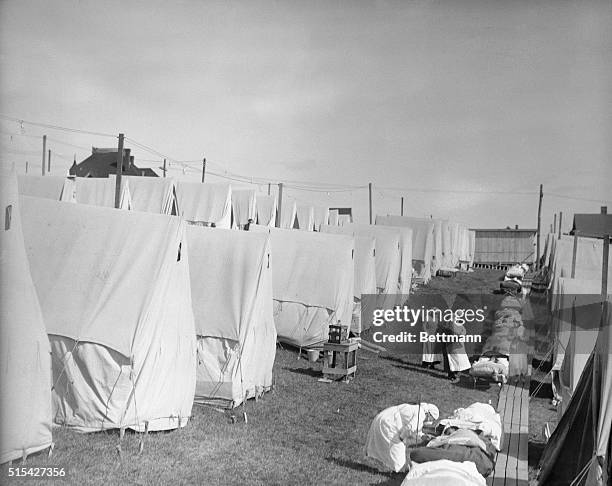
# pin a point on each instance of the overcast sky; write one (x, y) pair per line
(464, 100)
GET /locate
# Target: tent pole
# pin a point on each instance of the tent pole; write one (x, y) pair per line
(554, 226)
(49, 162)
(538, 235)
(370, 198)
(203, 169)
(604, 268)
(402, 210)
(119, 172)
(280, 205)
(44, 153)
(560, 221)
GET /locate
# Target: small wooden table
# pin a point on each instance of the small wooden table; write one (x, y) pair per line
(340, 360)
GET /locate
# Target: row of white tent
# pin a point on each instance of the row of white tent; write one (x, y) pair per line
(573, 303)
(581, 336)
(130, 300)
(218, 204)
(437, 243)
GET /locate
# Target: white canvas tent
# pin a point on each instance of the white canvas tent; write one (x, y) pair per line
(388, 253)
(231, 288)
(115, 295)
(305, 217)
(266, 210)
(404, 279)
(365, 276)
(333, 217)
(48, 187)
(312, 275)
(447, 245)
(589, 259)
(579, 450)
(244, 207)
(422, 241)
(577, 308)
(321, 217)
(95, 191)
(25, 368)
(205, 203)
(152, 194)
(472, 246)
(288, 213)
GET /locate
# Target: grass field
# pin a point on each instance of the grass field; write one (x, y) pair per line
(305, 432)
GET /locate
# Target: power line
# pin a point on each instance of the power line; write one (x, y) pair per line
(577, 198)
(56, 127)
(296, 185)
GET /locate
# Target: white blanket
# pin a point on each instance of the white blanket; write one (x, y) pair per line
(444, 472)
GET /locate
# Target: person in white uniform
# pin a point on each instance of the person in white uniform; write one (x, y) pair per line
(392, 428)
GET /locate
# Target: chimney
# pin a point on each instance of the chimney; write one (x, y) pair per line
(604, 210)
(516, 226)
(131, 161)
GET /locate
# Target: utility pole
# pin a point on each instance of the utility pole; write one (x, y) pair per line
(370, 198)
(49, 162)
(280, 205)
(119, 172)
(539, 223)
(402, 210)
(203, 169)
(44, 153)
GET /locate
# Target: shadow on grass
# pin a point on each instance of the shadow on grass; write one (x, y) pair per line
(393, 478)
(306, 371)
(481, 384)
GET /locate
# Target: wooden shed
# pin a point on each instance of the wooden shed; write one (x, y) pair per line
(504, 246)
